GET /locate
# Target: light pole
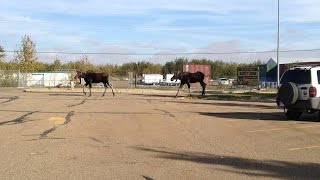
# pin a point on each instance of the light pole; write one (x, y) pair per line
(278, 65)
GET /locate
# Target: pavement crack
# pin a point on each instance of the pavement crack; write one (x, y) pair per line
(18, 120)
(82, 102)
(45, 133)
(147, 178)
(96, 140)
(9, 99)
(68, 117)
(166, 112)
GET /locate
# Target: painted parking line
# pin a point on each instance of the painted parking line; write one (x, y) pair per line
(285, 128)
(304, 148)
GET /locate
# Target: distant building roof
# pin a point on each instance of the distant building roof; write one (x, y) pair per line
(286, 60)
(271, 64)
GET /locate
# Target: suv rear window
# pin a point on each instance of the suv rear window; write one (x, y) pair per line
(297, 76)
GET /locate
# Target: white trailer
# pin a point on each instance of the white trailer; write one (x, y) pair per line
(168, 81)
(152, 79)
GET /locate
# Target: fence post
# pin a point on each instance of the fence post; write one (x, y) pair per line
(130, 79)
(19, 77)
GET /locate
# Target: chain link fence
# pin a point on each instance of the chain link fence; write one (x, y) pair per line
(9, 78)
(58, 78)
(65, 78)
(15, 78)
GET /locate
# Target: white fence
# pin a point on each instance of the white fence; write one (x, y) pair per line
(48, 79)
(14, 78)
(268, 85)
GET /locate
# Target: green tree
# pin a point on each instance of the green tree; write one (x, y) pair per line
(11, 65)
(153, 69)
(2, 53)
(83, 64)
(26, 54)
(108, 68)
(127, 67)
(142, 66)
(168, 68)
(179, 62)
(175, 65)
(201, 61)
(41, 66)
(257, 62)
(56, 64)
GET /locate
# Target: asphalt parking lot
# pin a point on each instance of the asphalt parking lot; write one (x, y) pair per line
(148, 135)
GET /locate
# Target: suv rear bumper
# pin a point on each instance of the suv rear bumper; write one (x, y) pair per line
(310, 104)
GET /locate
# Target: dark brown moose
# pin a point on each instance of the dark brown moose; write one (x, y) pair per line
(92, 77)
(187, 78)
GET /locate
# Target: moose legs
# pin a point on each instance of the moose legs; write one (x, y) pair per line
(83, 89)
(203, 85)
(189, 88)
(181, 85)
(89, 89)
(106, 84)
(179, 89)
(90, 86)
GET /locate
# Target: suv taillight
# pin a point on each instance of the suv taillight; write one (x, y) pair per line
(312, 91)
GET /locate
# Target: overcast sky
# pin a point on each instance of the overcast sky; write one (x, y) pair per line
(162, 26)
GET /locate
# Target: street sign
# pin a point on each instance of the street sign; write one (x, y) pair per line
(248, 75)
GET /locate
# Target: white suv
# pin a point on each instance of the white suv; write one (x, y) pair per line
(300, 91)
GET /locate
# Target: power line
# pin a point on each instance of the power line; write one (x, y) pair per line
(164, 54)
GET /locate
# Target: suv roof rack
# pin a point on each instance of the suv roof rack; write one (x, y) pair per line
(307, 65)
(316, 65)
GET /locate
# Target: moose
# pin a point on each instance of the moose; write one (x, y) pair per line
(187, 78)
(92, 77)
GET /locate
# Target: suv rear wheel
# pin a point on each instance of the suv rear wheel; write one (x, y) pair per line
(288, 93)
(292, 115)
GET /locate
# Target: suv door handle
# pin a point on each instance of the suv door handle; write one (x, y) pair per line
(304, 88)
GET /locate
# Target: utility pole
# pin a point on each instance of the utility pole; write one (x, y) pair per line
(278, 65)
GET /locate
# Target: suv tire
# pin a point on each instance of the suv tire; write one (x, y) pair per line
(288, 93)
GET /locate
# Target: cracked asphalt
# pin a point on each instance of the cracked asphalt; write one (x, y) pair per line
(151, 136)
